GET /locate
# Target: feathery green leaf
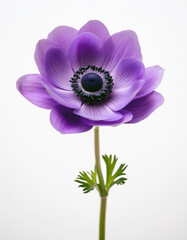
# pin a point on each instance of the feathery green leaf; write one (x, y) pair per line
(116, 178)
(87, 180)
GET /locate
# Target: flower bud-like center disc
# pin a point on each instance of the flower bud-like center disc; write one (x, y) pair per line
(92, 82)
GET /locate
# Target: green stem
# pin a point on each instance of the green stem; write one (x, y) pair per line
(102, 218)
(103, 190)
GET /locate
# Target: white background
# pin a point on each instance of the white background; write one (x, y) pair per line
(38, 198)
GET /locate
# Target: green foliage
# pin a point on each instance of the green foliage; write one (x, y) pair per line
(116, 178)
(87, 180)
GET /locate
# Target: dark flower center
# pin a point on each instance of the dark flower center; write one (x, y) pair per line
(92, 82)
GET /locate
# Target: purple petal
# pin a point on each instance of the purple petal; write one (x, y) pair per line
(127, 82)
(41, 49)
(119, 46)
(119, 98)
(58, 68)
(96, 27)
(63, 36)
(64, 97)
(127, 72)
(97, 112)
(84, 51)
(127, 116)
(65, 121)
(141, 108)
(153, 77)
(31, 88)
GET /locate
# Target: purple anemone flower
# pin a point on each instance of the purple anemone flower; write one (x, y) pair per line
(88, 77)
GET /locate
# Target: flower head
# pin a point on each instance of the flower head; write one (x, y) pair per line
(88, 78)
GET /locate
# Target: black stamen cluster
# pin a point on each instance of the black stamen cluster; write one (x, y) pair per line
(91, 97)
